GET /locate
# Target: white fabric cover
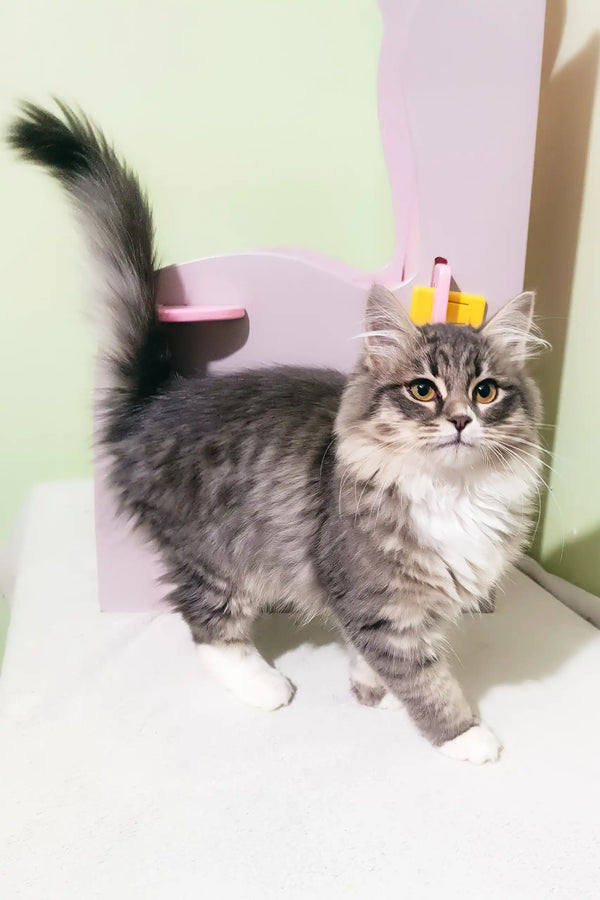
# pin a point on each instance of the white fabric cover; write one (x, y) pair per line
(125, 773)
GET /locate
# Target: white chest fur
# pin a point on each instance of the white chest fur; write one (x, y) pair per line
(473, 527)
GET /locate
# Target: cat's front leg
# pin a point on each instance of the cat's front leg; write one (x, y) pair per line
(421, 678)
(367, 686)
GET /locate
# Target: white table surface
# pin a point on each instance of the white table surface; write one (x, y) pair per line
(126, 773)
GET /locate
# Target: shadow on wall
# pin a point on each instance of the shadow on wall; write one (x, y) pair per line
(564, 124)
(574, 558)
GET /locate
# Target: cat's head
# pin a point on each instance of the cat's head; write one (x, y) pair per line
(449, 400)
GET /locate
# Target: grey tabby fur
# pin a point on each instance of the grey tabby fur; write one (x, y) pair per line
(284, 486)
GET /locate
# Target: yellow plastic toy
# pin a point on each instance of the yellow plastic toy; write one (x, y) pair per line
(439, 304)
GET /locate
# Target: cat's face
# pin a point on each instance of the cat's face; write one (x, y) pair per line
(444, 399)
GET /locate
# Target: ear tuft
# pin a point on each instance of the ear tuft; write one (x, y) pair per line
(389, 329)
(513, 331)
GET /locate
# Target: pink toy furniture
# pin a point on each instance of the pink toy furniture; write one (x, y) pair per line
(457, 98)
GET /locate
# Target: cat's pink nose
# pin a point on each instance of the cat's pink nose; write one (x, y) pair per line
(460, 422)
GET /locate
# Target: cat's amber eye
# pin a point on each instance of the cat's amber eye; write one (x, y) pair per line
(485, 391)
(423, 390)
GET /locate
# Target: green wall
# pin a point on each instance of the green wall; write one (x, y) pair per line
(251, 122)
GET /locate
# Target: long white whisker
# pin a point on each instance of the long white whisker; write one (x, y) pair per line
(365, 486)
(324, 455)
(537, 490)
(532, 456)
(343, 478)
(514, 454)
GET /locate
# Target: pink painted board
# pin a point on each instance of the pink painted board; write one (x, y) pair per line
(200, 313)
(457, 100)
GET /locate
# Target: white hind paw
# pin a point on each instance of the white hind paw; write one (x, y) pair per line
(268, 690)
(476, 745)
(241, 669)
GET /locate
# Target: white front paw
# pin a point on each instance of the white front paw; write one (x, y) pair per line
(267, 690)
(476, 745)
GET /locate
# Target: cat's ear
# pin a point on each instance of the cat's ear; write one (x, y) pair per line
(388, 330)
(513, 331)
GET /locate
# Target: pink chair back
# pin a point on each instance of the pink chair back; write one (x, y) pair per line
(457, 98)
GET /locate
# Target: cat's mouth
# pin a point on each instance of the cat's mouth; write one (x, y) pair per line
(456, 442)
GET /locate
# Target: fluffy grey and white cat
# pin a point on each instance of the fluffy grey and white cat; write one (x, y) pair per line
(392, 499)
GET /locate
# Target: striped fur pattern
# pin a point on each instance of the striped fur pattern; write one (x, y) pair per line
(344, 495)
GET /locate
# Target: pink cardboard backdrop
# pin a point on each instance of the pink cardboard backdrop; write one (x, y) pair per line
(457, 98)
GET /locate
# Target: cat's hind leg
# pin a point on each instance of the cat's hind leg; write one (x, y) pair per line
(221, 627)
(242, 670)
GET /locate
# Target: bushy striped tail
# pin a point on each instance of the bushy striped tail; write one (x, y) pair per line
(117, 224)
